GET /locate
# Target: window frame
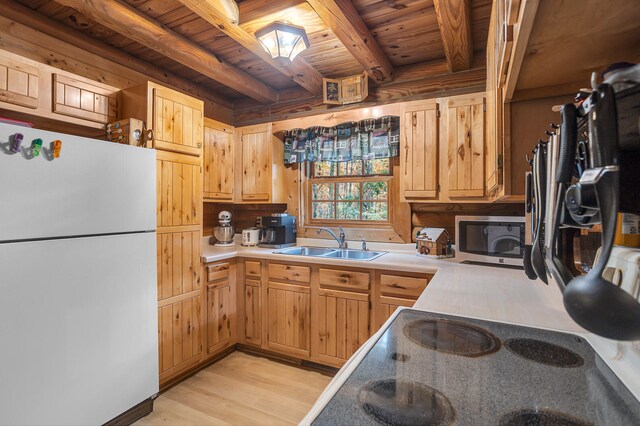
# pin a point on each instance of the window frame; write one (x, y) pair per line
(361, 179)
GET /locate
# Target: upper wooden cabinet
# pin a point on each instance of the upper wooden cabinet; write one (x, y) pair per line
(179, 189)
(256, 163)
(218, 161)
(419, 151)
(177, 119)
(466, 146)
(259, 165)
(18, 83)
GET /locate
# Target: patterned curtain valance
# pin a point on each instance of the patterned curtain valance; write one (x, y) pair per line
(362, 140)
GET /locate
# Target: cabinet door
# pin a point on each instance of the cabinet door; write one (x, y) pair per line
(220, 316)
(18, 83)
(289, 318)
(179, 189)
(419, 159)
(252, 312)
(178, 263)
(343, 324)
(177, 121)
(388, 306)
(179, 338)
(218, 162)
(256, 163)
(466, 152)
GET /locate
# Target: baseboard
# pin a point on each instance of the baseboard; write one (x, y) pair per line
(133, 414)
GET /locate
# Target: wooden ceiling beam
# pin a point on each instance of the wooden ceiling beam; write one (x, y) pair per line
(345, 22)
(447, 84)
(250, 10)
(32, 19)
(133, 24)
(454, 21)
(299, 71)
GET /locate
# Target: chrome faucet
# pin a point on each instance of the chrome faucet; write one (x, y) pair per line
(364, 244)
(341, 240)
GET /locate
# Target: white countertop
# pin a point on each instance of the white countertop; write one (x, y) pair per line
(482, 292)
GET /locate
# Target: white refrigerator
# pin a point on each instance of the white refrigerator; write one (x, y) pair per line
(78, 304)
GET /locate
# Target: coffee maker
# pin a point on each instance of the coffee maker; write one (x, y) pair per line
(277, 231)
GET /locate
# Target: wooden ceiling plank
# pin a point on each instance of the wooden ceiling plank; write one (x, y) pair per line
(446, 84)
(251, 10)
(299, 71)
(135, 25)
(454, 20)
(29, 18)
(345, 22)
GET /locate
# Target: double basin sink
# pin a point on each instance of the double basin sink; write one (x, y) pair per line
(330, 253)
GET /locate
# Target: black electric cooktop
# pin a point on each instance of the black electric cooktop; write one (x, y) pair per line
(432, 369)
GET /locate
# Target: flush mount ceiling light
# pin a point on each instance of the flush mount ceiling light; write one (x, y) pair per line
(282, 40)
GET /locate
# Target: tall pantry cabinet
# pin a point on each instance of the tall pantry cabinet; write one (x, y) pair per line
(177, 121)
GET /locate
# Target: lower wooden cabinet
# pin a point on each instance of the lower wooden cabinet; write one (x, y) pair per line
(252, 312)
(179, 335)
(343, 324)
(221, 307)
(388, 306)
(289, 313)
(220, 311)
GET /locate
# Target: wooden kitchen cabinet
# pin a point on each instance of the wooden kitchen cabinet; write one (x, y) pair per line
(177, 120)
(419, 151)
(251, 327)
(395, 290)
(179, 189)
(343, 324)
(18, 83)
(256, 163)
(178, 263)
(218, 161)
(289, 313)
(465, 138)
(179, 336)
(220, 307)
(259, 166)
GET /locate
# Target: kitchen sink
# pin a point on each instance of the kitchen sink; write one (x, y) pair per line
(331, 253)
(355, 254)
(306, 251)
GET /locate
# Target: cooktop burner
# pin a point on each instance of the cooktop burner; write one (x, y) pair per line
(452, 337)
(544, 353)
(398, 381)
(540, 418)
(394, 402)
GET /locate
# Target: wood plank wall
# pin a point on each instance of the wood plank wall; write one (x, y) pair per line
(243, 215)
(444, 215)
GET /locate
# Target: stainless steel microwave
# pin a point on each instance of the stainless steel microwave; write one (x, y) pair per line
(490, 239)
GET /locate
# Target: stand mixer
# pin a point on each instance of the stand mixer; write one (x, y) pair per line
(225, 232)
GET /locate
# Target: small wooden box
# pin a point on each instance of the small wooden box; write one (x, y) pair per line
(346, 90)
(129, 131)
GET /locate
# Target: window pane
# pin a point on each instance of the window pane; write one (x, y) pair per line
(323, 211)
(325, 168)
(348, 191)
(380, 166)
(375, 191)
(322, 191)
(375, 211)
(350, 168)
(348, 211)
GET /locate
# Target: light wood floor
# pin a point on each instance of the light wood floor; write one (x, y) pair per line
(240, 389)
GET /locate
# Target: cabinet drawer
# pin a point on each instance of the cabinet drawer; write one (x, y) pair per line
(217, 271)
(282, 272)
(404, 287)
(252, 268)
(344, 279)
